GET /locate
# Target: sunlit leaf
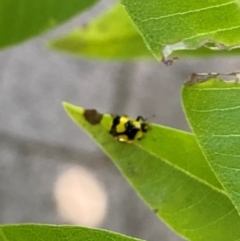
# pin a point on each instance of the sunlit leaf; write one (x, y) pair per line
(184, 193)
(172, 25)
(213, 110)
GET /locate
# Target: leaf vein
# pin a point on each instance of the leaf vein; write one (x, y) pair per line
(226, 154)
(210, 223)
(223, 166)
(187, 173)
(215, 109)
(211, 32)
(187, 12)
(191, 206)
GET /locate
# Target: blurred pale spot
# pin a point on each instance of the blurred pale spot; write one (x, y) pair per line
(80, 198)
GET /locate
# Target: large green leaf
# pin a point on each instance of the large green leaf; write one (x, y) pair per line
(171, 25)
(34, 232)
(113, 36)
(23, 19)
(110, 36)
(213, 110)
(184, 193)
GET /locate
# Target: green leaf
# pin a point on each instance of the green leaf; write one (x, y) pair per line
(213, 110)
(23, 19)
(113, 36)
(110, 36)
(179, 191)
(33, 232)
(167, 26)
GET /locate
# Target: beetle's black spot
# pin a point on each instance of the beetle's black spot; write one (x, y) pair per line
(92, 116)
(131, 131)
(116, 121)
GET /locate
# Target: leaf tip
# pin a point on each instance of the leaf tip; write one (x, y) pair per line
(72, 109)
(66, 105)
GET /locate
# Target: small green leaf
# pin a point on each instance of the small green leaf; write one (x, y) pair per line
(110, 36)
(184, 193)
(34, 232)
(213, 110)
(167, 26)
(23, 19)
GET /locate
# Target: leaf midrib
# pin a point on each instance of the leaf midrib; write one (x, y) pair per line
(182, 170)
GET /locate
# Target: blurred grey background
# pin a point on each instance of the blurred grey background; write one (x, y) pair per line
(38, 141)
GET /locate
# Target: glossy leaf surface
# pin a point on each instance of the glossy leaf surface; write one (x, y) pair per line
(189, 199)
(213, 110)
(167, 26)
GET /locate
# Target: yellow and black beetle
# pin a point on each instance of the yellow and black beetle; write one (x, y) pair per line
(126, 130)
